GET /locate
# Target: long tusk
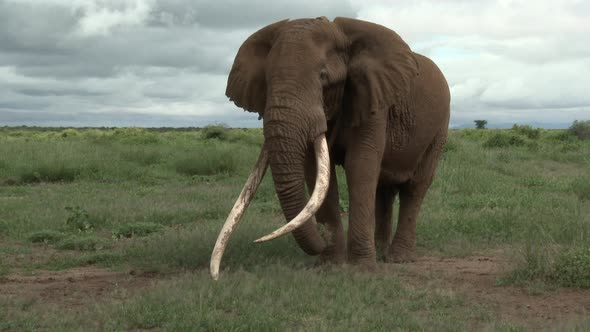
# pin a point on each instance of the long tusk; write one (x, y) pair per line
(237, 211)
(317, 197)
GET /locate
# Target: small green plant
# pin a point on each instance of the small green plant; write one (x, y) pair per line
(580, 129)
(219, 132)
(572, 268)
(83, 243)
(136, 229)
(47, 236)
(78, 219)
(480, 124)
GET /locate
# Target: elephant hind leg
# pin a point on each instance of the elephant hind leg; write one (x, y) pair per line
(411, 195)
(384, 200)
(403, 246)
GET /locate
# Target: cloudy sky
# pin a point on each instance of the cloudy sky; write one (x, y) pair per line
(165, 62)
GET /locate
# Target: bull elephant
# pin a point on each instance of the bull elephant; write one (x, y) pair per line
(344, 92)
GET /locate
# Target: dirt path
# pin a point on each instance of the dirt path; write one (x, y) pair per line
(476, 277)
(73, 288)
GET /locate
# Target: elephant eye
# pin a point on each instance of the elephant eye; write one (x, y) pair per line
(324, 76)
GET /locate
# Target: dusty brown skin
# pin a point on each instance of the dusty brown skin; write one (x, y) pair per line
(383, 108)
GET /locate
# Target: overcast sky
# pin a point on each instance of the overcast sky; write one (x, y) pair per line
(165, 62)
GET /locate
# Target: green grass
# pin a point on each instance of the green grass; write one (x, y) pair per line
(154, 201)
(136, 229)
(83, 243)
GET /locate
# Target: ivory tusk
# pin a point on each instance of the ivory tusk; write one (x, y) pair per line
(318, 195)
(238, 211)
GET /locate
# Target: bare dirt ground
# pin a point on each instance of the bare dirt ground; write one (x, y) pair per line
(473, 277)
(74, 288)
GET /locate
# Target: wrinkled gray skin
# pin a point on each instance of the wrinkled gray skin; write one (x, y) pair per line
(383, 108)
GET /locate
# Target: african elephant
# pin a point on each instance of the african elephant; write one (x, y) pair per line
(352, 93)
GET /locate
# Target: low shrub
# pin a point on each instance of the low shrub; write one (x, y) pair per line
(580, 129)
(526, 130)
(502, 140)
(220, 132)
(572, 268)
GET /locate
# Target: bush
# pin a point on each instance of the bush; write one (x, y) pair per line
(219, 132)
(70, 132)
(502, 140)
(572, 269)
(580, 129)
(528, 131)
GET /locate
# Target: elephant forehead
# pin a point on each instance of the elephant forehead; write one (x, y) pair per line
(319, 30)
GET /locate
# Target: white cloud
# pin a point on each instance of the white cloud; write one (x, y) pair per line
(99, 18)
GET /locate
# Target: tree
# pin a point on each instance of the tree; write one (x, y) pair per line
(480, 124)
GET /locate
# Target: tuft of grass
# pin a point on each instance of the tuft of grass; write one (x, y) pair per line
(581, 187)
(46, 236)
(50, 172)
(137, 229)
(83, 243)
(210, 159)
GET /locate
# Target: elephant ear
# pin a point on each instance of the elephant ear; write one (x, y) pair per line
(381, 72)
(246, 84)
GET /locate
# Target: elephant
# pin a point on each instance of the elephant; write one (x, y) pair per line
(344, 92)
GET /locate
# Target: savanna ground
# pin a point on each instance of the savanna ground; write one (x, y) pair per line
(113, 230)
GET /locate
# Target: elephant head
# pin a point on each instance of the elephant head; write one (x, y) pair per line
(305, 78)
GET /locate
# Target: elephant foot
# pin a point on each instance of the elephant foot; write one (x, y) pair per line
(332, 255)
(399, 254)
(364, 264)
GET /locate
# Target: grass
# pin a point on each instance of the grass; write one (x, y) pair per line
(154, 201)
(136, 229)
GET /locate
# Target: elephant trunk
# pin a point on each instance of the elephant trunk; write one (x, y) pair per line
(287, 140)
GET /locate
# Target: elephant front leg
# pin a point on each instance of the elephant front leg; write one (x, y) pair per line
(328, 215)
(362, 172)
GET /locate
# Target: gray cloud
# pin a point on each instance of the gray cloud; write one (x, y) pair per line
(165, 62)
